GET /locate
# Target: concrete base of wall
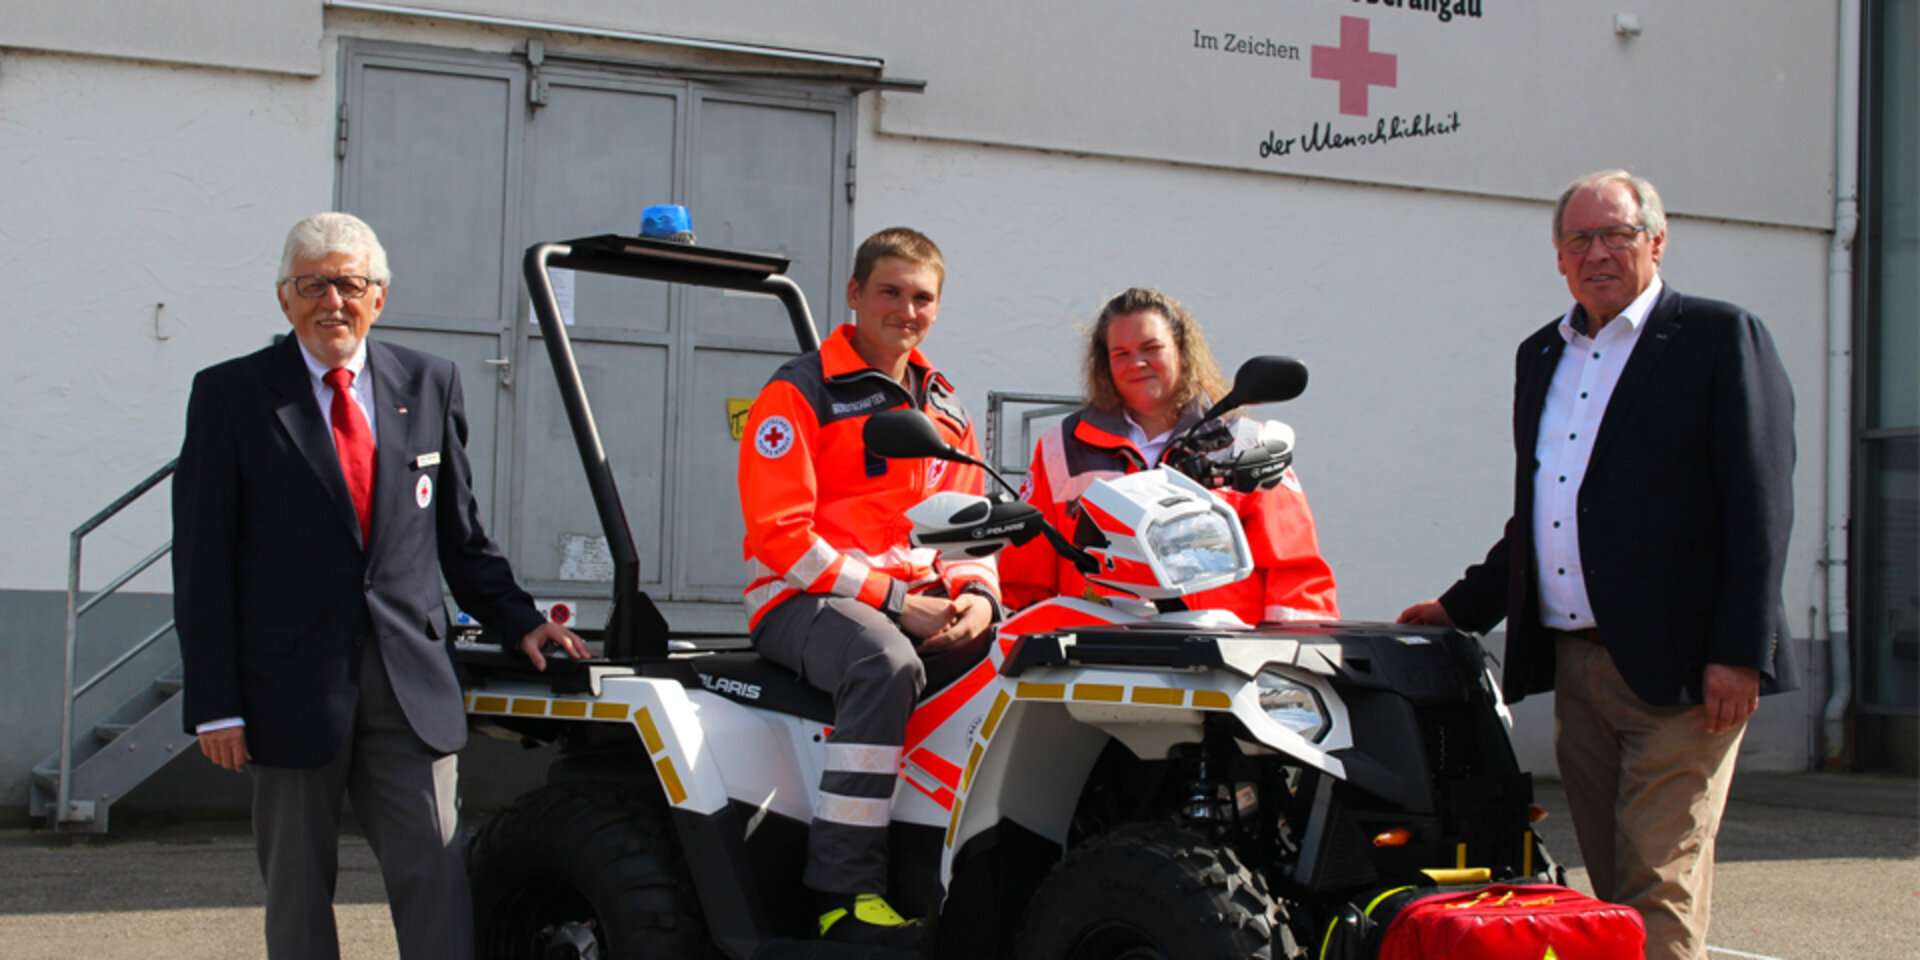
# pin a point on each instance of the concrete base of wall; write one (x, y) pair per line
(1782, 737)
(32, 642)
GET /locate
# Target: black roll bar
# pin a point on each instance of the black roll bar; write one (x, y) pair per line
(635, 629)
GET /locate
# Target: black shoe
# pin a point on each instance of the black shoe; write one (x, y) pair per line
(867, 919)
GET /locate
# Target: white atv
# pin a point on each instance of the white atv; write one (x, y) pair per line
(1096, 780)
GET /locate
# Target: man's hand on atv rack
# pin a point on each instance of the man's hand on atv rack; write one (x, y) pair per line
(1427, 612)
(552, 635)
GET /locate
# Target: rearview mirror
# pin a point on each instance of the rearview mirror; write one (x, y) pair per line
(1262, 380)
(907, 434)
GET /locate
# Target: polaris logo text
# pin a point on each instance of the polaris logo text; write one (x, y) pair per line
(983, 533)
(750, 691)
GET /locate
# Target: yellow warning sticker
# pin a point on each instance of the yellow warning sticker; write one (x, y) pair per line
(737, 408)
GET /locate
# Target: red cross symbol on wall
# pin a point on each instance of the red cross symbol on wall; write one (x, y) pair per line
(1354, 66)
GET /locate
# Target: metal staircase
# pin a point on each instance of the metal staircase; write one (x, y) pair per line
(119, 748)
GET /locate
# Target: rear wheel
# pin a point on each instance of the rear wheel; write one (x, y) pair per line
(1149, 891)
(584, 870)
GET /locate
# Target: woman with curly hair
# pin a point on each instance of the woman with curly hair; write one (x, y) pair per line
(1149, 376)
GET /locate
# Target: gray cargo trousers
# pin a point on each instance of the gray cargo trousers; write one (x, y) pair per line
(856, 653)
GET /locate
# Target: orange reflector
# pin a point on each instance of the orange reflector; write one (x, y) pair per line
(1536, 813)
(1397, 837)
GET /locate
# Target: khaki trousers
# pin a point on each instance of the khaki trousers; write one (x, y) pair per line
(1646, 786)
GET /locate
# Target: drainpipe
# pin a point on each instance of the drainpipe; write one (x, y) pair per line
(1846, 223)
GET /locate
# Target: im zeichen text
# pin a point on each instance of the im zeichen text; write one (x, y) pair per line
(1385, 130)
(1244, 44)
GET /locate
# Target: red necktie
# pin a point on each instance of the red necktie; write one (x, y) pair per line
(354, 442)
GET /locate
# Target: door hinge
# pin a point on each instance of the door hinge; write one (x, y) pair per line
(536, 87)
(340, 132)
(849, 176)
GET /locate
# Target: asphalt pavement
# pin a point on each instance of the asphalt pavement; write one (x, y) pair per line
(1812, 867)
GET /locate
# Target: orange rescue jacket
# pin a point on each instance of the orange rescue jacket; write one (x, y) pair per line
(825, 516)
(1290, 581)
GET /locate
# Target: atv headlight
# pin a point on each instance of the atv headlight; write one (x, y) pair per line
(1292, 704)
(1195, 547)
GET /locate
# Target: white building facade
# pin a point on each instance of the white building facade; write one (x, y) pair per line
(1364, 184)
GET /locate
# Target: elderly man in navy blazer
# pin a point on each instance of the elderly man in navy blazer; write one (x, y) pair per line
(1640, 572)
(323, 492)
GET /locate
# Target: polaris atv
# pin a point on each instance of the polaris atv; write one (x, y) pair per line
(1125, 778)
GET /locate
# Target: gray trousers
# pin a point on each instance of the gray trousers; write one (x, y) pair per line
(854, 652)
(405, 794)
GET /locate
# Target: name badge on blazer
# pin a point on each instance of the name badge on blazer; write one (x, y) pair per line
(426, 460)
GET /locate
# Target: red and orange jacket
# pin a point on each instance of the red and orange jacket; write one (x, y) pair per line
(825, 516)
(1290, 581)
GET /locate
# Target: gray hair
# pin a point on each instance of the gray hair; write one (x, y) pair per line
(1652, 214)
(327, 233)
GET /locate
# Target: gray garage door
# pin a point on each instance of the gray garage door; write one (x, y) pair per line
(449, 158)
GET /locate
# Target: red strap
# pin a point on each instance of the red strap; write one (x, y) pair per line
(353, 440)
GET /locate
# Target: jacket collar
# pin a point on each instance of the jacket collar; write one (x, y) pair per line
(1663, 321)
(300, 415)
(838, 358)
(1108, 429)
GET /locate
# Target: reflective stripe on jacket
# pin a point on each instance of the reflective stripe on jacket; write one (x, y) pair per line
(1291, 581)
(825, 516)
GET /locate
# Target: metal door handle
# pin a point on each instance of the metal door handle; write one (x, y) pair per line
(505, 369)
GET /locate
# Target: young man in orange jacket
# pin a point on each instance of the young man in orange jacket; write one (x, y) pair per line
(835, 592)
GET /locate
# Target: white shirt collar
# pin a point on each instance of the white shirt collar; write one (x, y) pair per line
(1635, 314)
(1149, 447)
(318, 370)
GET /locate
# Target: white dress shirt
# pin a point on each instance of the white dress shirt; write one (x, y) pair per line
(360, 391)
(1149, 447)
(1576, 400)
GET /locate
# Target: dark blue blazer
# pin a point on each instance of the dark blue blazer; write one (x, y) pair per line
(273, 588)
(1684, 512)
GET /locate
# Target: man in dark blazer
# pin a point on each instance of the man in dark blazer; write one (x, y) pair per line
(323, 492)
(1640, 572)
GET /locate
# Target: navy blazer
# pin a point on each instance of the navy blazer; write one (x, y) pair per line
(1684, 511)
(274, 592)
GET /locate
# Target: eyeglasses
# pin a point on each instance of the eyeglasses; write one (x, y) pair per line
(1616, 238)
(313, 286)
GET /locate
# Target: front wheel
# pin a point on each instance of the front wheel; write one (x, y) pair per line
(1149, 891)
(584, 870)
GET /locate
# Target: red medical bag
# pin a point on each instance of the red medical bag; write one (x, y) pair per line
(1505, 922)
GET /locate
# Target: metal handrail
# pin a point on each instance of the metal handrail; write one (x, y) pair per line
(1055, 404)
(68, 694)
(121, 580)
(121, 661)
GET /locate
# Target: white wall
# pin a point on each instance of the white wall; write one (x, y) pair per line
(158, 184)
(1405, 305)
(277, 36)
(131, 185)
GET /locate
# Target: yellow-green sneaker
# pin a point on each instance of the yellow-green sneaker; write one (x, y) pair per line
(868, 918)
